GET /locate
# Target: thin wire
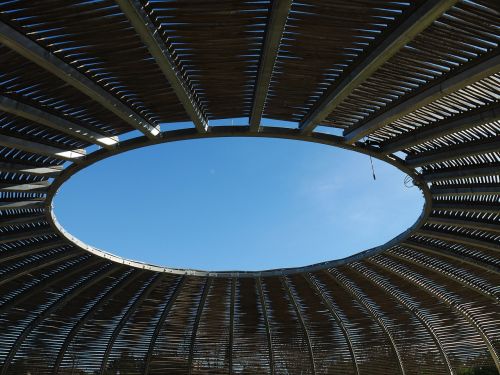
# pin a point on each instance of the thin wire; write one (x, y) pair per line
(367, 140)
(373, 169)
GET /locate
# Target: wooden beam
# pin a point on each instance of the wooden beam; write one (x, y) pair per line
(262, 299)
(60, 124)
(32, 51)
(36, 186)
(48, 282)
(474, 243)
(49, 171)
(274, 32)
(25, 234)
(453, 153)
(122, 284)
(417, 280)
(435, 91)
(450, 254)
(54, 306)
(410, 306)
(151, 37)
(465, 207)
(464, 223)
(462, 172)
(460, 279)
(333, 312)
(41, 263)
(441, 129)
(347, 285)
(151, 285)
(196, 323)
(24, 219)
(27, 250)
(35, 203)
(40, 148)
(284, 281)
(159, 324)
(234, 280)
(458, 191)
(417, 22)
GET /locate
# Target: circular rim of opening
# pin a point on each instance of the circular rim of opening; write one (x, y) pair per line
(231, 131)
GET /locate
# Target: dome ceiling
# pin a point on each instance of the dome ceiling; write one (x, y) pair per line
(415, 84)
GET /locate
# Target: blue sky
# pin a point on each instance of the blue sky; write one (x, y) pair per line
(237, 204)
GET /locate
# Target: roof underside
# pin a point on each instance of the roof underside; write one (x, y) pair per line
(414, 83)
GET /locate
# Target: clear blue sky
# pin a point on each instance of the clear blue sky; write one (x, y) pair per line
(237, 204)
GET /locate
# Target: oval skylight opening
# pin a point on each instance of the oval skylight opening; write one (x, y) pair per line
(237, 204)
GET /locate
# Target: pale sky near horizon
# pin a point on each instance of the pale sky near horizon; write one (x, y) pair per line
(237, 204)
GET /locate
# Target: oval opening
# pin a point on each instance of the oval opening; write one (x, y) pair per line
(237, 204)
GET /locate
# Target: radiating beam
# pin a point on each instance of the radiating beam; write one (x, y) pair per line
(346, 284)
(27, 250)
(116, 288)
(464, 172)
(274, 32)
(454, 152)
(472, 190)
(436, 91)
(284, 281)
(49, 171)
(266, 323)
(34, 52)
(417, 22)
(151, 285)
(54, 306)
(450, 254)
(60, 124)
(379, 282)
(47, 283)
(196, 324)
(338, 319)
(22, 204)
(7, 220)
(231, 324)
(466, 207)
(38, 264)
(441, 129)
(41, 149)
(25, 234)
(465, 223)
(416, 280)
(36, 186)
(151, 37)
(459, 239)
(447, 274)
(159, 324)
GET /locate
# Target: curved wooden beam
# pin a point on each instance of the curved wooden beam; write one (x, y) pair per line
(274, 32)
(346, 284)
(117, 287)
(32, 51)
(433, 131)
(284, 281)
(452, 84)
(338, 319)
(416, 280)
(376, 280)
(161, 320)
(54, 306)
(52, 121)
(196, 324)
(417, 22)
(266, 322)
(151, 37)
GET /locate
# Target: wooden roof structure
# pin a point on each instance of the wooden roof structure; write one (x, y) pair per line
(415, 84)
